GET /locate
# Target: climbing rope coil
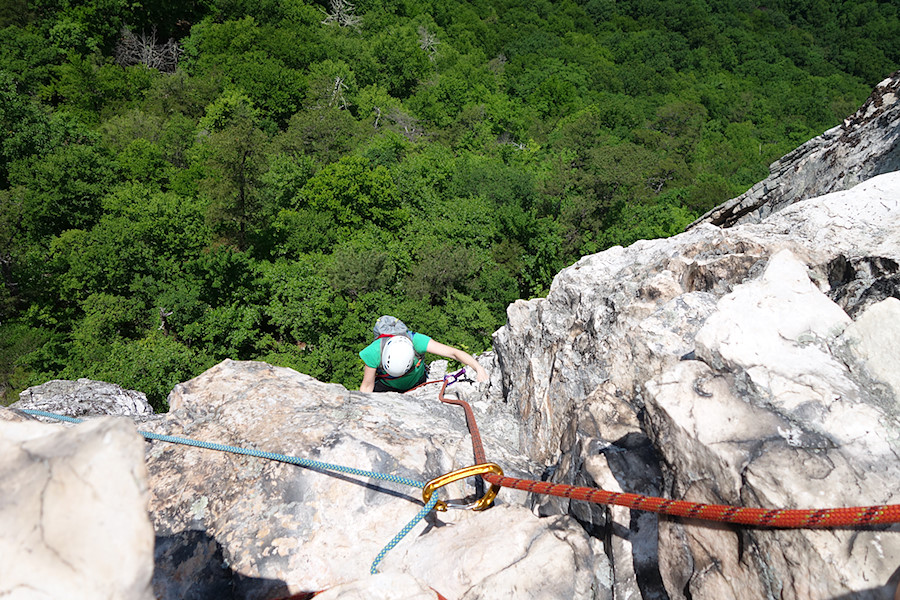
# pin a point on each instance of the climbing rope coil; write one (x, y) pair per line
(493, 475)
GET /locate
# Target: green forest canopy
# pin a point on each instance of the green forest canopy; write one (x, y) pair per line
(186, 182)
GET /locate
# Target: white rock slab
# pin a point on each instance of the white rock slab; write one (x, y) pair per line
(875, 339)
(73, 512)
(505, 552)
(774, 328)
(386, 586)
(283, 529)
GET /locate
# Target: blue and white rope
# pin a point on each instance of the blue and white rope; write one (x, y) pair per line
(409, 526)
(303, 462)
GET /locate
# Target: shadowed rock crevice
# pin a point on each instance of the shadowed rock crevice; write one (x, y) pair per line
(857, 283)
(191, 565)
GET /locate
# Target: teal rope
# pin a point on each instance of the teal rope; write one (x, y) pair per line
(303, 462)
(409, 526)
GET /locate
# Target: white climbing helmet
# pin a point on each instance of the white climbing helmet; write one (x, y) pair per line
(397, 356)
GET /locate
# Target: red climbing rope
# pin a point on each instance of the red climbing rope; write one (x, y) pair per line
(423, 384)
(760, 517)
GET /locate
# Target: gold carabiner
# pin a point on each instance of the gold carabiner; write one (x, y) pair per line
(480, 504)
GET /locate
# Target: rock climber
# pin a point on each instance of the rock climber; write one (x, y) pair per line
(394, 362)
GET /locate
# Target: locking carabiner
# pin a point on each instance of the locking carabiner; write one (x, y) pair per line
(480, 504)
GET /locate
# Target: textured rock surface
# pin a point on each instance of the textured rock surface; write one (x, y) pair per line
(84, 397)
(507, 553)
(866, 144)
(781, 423)
(73, 519)
(392, 586)
(754, 366)
(233, 526)
(875, 338)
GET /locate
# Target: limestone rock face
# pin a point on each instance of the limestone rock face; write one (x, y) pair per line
(84, 397)
(73, 511)
(875, 339)
(753, 366)
(866, 144)
(231, 526)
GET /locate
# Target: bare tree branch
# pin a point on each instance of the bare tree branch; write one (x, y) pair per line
(342, 14)
(145, 50)
(407, 124)
(163, 320)
(337, 93)
(428, 42)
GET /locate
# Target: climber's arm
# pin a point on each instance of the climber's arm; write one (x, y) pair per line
(457, 354)
(368, 382)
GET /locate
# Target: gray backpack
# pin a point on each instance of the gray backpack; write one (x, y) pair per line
(387, 326)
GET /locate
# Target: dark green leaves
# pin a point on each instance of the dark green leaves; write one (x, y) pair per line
(296, 176)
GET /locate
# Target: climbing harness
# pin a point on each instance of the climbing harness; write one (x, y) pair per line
(303, 462)
(759, 517)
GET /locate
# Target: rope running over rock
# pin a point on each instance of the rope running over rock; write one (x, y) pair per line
(303, 462)
(758, 517)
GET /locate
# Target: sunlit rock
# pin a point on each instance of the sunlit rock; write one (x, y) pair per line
(73, 512)
(267, 529)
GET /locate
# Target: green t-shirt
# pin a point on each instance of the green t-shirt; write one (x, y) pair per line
(371, 355)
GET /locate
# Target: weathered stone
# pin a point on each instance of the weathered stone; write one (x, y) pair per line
(727, 348)
(625, 314)
(799, 432)
(387, 586)
(273, 529)
(718, 447)
(603, 443)
(874, 339)
(14, 416)
(776, 329)
(603, 320)
(865, 145)
(73, 512)
(500, 553)
(84, 397)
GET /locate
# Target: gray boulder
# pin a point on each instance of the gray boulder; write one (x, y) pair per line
(84, 397)
(865, 145)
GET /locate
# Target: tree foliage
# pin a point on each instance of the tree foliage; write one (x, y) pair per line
(309, 166)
